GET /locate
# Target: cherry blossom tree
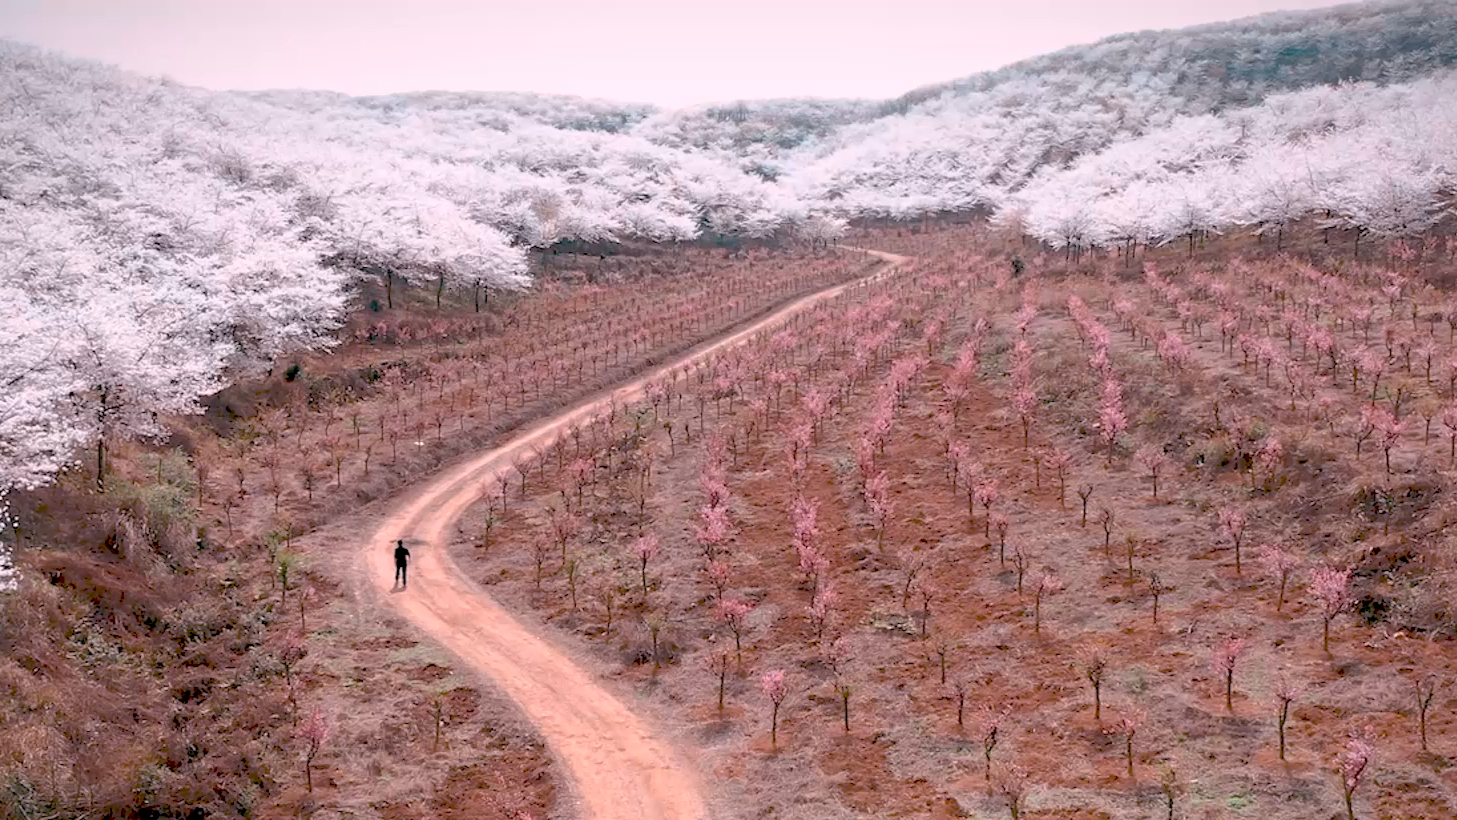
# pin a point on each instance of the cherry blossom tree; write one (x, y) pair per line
(734, 612)
(314, 732)
(776, 688)
(1232, 525)
(1352, 764)
(1224, 658)
(1331, 589)
(1279, 563)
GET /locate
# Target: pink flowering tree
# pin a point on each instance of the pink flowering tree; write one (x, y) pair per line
(1024, 402)
(1111, 416)
(1225, 657)
(314, 733)
(776, 688)
(581, 471)
(1331, 589)
(1232, 525)
(714, 531)
(1352, 764)
(1389, 430)
(822, 610)
(734, 614)
(1279, 563)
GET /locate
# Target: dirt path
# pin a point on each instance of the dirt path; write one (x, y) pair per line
(618, 768)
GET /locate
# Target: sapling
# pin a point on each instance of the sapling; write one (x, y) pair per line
(822, 610)
(959, 687)
(1331, 589)
(1085, 492)
(1127, 726)
(1000, 523)
(1105, 518)
(1012, 785)
(1019, 563)
(942, 647)
(717, 573)
(1047, 584)
(1268, 461)
(913, 566)
(1132, 542)
(1060, 462)
(843, 689)
(1225, 657)
(314, 732)
(1152, 461)
(1279, 564)
(1169, 786)
(655, 622)
(437, 711)
(645, 548)
(1232, 524)
(1155, 589)
(987, 493)
(1095, 669)
(1425, 689)
(991, 729)
(1286, 693)
(774, 686)
(1449, 421)
(718, 663)
(734, 612)
(877, 495)
(488, 523)
(605, 589)
(1352, 765)
(928, 594)
(573, 568)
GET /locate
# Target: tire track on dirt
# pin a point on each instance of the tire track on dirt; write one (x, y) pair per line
(619, 769)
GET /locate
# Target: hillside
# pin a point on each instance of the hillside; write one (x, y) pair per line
(235, 325)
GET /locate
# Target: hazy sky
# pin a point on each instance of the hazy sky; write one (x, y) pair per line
(659, 51)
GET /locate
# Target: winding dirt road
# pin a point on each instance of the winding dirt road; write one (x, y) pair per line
(618, 767)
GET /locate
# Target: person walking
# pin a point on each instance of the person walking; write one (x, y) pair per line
(402, 565)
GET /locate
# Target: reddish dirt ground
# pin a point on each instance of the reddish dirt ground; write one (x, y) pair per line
(905, 754)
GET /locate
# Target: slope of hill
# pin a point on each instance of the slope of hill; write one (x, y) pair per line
(971, 141)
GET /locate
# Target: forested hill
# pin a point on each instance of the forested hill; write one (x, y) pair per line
(1238, 63)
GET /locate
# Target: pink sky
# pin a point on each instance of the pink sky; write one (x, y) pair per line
(669, 53)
